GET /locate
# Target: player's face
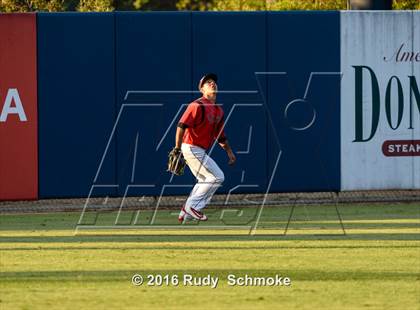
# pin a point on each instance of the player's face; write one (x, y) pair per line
(209, 87)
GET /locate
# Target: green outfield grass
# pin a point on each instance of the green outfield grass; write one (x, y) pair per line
(44, 263)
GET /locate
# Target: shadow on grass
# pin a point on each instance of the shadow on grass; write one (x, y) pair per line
(202, 238)
(212, 248)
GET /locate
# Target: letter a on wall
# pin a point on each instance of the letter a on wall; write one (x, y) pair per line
(18, 107)
(8, 108)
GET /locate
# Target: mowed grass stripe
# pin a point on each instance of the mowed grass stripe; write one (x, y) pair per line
(124, 275)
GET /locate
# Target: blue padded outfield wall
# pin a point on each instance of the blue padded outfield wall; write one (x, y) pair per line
(153, 53)
(76, 101)
(306, 126)
(112, 87)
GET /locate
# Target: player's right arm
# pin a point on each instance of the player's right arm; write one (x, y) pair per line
(188, 119)
(178, 137)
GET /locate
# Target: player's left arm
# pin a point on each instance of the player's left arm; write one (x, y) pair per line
(226, 146)
(224, 143)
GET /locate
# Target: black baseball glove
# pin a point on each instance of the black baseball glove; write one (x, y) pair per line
(176, 162)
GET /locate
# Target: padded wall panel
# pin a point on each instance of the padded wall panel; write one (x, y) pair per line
(304, 100)
(76, 102)
(18, 107)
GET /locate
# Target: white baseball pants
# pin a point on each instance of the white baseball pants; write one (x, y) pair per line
(208, 174)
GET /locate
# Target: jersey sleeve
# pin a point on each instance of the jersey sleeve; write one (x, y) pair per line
(191, 116)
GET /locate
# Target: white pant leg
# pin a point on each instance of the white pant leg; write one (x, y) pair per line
(209, 175)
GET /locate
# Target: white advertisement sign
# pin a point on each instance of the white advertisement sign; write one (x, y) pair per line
(380, 100)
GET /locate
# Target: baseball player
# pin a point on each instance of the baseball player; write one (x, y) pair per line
(200, 125)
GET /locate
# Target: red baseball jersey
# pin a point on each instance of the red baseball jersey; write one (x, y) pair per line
(203, 121)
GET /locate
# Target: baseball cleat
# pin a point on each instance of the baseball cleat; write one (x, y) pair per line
(194, 214)
(183, 216)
